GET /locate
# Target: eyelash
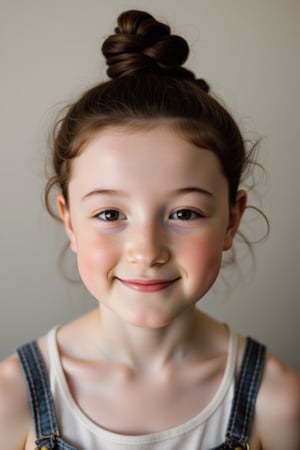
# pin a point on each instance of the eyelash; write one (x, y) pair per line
(113, 215)
(192, 214)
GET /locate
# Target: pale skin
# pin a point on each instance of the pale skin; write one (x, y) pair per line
(148, 247)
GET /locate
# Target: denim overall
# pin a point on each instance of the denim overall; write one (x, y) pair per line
(43, 411)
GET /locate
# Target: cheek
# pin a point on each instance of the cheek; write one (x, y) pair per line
(204, 247)
(95, 259)
(203, 255)
(201, 259)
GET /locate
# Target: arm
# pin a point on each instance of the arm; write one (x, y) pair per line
(15, 415)
(278, 407)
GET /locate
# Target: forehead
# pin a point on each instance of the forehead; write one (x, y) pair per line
(150, 154)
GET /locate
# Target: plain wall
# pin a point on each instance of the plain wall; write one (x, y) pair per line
(249, 53)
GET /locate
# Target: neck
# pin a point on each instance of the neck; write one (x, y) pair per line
(148, 349)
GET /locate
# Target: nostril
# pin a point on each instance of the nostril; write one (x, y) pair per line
(147, 255)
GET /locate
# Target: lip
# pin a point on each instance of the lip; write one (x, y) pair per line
(154, 285)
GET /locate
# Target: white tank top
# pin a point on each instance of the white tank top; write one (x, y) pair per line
(204, 431)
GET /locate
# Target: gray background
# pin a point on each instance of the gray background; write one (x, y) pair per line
(249, 53)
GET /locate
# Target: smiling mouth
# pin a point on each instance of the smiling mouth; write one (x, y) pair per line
(148, 285)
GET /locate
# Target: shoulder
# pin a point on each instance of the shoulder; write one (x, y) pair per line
(15, 415)
(278, 407)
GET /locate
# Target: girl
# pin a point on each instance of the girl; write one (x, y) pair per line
(148, 167)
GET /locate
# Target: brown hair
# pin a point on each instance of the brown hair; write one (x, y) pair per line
(148, 84)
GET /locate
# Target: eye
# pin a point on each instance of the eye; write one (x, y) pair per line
(111, 215)
(185, 214)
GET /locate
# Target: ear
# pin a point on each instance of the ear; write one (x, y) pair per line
(64, 213)
(235, 216)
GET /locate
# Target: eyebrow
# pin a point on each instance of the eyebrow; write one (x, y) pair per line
(191, 189)
(185, 190)
(102, 192)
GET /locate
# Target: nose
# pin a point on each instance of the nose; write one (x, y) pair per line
(147, 246)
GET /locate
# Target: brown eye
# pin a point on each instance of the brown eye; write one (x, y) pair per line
(185, 214)
(111, 215)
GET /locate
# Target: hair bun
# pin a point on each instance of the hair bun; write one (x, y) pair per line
(141, 44)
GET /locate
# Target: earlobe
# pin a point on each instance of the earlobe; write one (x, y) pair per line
(66, 219)
(235, 216)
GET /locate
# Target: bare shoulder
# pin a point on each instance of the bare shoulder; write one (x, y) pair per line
(15, 415)
(278, 407)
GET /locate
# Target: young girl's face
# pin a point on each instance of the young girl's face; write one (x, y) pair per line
(148, 218)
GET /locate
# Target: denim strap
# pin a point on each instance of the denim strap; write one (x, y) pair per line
(246, 391)
(40, 396)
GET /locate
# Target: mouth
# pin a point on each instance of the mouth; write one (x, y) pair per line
(148, 285)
